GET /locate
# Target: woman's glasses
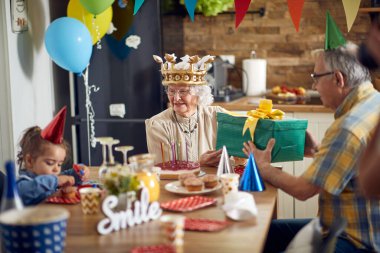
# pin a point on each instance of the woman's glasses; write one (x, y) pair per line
(181, 92)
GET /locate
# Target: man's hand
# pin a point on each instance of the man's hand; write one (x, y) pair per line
(64, 180)
(311, 146)
(262, 157)
(210, 158)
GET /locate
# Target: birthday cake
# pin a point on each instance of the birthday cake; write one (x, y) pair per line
(171, 170)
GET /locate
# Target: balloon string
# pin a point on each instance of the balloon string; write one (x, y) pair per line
(90, 108)
(97, 32)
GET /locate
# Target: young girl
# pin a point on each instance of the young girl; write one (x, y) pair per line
(40, 159)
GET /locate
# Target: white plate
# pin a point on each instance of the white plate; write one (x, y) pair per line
(176, 187)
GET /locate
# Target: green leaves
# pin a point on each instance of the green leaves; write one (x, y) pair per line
(121, 184)
(212, 7)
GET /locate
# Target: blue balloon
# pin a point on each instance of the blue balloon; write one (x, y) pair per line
(69, 44)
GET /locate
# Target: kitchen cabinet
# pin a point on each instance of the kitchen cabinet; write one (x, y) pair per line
(287, 206)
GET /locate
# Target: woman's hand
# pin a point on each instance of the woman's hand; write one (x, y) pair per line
(262, 157)
(311, 145)
(210, 158)
(64, 180)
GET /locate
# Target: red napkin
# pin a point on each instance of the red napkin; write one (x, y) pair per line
(188, 204)
(61, 200)
(205, 225)
(154, 249)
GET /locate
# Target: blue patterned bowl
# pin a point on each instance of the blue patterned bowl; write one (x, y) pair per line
(34, 229)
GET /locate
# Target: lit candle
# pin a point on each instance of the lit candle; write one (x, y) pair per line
(162, 153)
(187, 153)
(179, 153)
(174, 152)
(169, 152)
(173, 155)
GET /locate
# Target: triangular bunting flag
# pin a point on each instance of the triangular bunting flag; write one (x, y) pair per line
(251, 179)
(295, 10)
(190, 6)
(138, 4)
(241, 7)
(224, 163)
(53, 132)
(122, 20)
(351, 8)
(334, 38)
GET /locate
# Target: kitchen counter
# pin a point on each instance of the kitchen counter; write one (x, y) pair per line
(251, 103)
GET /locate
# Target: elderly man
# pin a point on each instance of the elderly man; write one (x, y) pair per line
(344, 86)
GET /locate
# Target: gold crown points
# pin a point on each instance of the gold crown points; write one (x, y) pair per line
(191, 70)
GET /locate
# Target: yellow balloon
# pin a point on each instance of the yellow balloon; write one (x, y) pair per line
(97, 25)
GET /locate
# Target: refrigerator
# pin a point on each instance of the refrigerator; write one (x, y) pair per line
(127, 77)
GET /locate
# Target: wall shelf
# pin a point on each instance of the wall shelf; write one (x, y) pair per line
(369, 10)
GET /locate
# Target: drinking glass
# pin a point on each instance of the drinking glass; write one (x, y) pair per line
(124, 150)
(103, 141)
(110, 154)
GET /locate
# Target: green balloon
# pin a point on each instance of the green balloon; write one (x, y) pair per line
(96, 6)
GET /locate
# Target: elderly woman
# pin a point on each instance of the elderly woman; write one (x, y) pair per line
(187, 128)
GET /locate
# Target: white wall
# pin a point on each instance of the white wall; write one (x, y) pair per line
(6, 140)
(30, 81)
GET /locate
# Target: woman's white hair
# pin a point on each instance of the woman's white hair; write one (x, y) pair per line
(204, 94)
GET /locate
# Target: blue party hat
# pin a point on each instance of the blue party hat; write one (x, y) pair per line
(251, 179)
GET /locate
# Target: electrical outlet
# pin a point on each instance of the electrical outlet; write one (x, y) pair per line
(230, 58)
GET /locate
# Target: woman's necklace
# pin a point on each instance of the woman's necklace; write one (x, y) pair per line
(189, 131)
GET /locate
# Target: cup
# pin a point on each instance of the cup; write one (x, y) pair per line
(230, 182)
(90, 199)
(172, 227)
(34, 229)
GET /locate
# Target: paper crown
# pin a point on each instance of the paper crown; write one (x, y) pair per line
(334, 38)
(53, 132)
(191, 70)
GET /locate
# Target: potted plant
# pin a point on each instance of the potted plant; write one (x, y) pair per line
(120, 182)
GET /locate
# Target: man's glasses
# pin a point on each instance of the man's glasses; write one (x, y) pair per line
(315, 76)
(181, 93)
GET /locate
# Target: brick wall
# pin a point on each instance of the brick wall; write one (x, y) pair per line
(273, 37)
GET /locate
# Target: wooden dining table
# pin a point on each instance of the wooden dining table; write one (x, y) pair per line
(239, 236)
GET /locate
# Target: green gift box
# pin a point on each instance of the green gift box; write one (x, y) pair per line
(288, 133)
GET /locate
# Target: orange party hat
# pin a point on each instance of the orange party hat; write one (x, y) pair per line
(53, 132)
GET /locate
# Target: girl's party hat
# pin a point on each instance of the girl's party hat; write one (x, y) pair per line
(53, 132)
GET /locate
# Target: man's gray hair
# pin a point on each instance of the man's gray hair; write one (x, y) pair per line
(204, 94)
(344, 58)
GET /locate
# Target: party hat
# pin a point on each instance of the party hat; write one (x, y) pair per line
(54, 131)
(334, 37)
(251, 179)
(224, 163)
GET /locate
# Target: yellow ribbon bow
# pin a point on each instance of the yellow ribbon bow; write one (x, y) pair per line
(264, 111)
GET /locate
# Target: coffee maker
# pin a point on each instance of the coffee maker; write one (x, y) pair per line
(218, 78)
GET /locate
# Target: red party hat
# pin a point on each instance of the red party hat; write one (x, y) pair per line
(54, 131)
